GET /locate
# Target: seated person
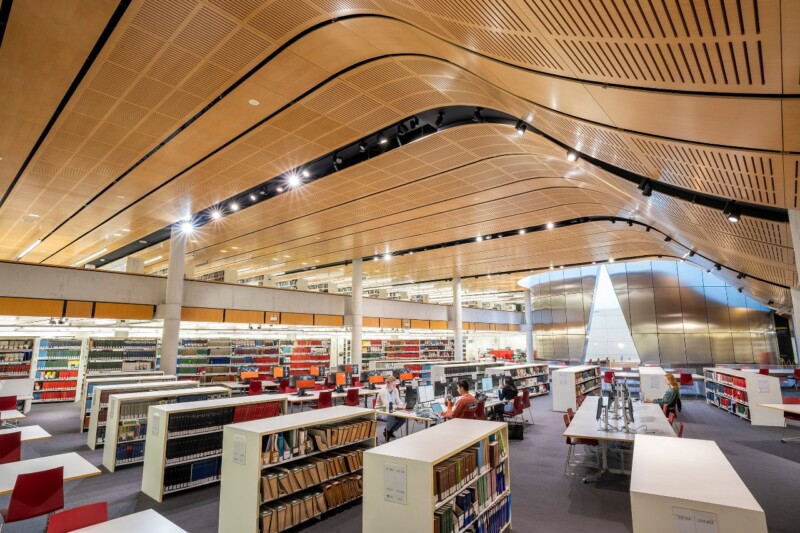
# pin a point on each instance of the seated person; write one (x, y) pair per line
(672, 396)
(387, 394)
(463, 404)
(507, 395)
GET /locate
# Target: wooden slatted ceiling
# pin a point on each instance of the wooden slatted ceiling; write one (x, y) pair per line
(149, 29)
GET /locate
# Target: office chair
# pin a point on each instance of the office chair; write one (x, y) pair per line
(571, 443)
(255, 388)
(78, 518)
(526, 402)
(35, 494)
(10, 447)
(790, 417)
(351, 399)
(325, 400)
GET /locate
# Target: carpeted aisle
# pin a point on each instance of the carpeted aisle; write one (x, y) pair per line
(544, 500)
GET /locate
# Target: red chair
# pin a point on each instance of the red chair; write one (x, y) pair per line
(579, 400)
(526, 402)
(325, 400)
(318, 386)
(480, 414)
(78, 518)
(351, 399)
(516, 411)
(572, 442)
(796, 377)
(35, 494)
(680, 430)
(609, 377)
(790, 417)
(8, 403)
(763, 371)
(570, 413)
(355, 382)
(10, 447)
(284, 388)
(256, 388)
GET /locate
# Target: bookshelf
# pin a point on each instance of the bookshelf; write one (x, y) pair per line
(58, 370)
(570, 382)
(126, 427)
(206, 360)
(98, 413)
(421, 368)
(533, 376)
(455, 371)
(16, 358)
(242, 508)
(114, 355)
(437, 349)
(417, 483)
(739, 393)
(184, 444)
(91, 380)
(302, 353)
(264, 354)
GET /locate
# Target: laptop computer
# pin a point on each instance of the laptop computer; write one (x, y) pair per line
(437, 407)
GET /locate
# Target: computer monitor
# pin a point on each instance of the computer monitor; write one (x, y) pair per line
(375, 379)
(486, 384)
(314, 371)
(437, 407)
(406, 376)
(277, 372)
(452, 389)
(631, 419)
(303, 385)
(410, 397)
(599, 408)
(439, 389)
(426, 394)
(340, 378)
(496, 380)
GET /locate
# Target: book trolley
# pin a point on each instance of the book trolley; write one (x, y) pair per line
(280, 472)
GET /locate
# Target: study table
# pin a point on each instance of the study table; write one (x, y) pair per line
(29, 433)
(75, 467)
(148, 521)
(689, 485)
(648, 419)
(313, 396)
(791, 408)
(11, 415)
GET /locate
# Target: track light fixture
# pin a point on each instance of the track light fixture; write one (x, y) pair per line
(692, 253)
(770, 302)
(718, 266)
(630, 224)
(476, 116)
(572, 156)
(521, 127)
(414, 122)
(401, 129)
(732, 212)
(647, 230)
(382, 138)
(667, 238)
(740, 289)
(362, 146)
(550, 225)
(741, 275)
(439, 119)
(646, 187)
(337, 159)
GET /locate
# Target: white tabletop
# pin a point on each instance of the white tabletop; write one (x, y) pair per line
(28, 433)
(772, 371)
(312, 396)
(11, 414)
(787, 407)
(75, 467)
(149, 521)
(662, 467)
(649, 418)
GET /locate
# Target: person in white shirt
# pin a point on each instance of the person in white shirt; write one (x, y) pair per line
(390, 394)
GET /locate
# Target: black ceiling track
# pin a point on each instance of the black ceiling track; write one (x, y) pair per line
(98, 46)
(5, 12)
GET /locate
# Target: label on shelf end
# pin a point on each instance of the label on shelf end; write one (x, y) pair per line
(239, 449)
(394, 483)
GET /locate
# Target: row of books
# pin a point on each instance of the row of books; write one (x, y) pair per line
(44, 364)
(137, 410)
(193, 447)
(586, 374)
(16, 344)
(469, 503)
(130, 452)
(211, 419)
(279, 447)
(204, 370)
(45, 385)
(279, 482)
(731, 380)
(188, 475)
(121, 355)
(14, 357)
(494, 520)
(128, 430)
(586, 387)
(59, 396)
(60, 344)
(22, 369)
(56, 374)
(59, 353)
(284, 514)
(123, 343)
(455, 472)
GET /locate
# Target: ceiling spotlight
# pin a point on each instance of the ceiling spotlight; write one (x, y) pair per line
(387, 256)
(382, 139)
(667, 238)
(646, 187)
(740, 289)
(306, 173)
(613, 220)
(478, 238)
(234, 206)
(187, 226)
(293, 180)
(550, 225)
(414, 122)
(337, 159)
(522, 232)
(741, 275)
(718, 266)
(562, 266)
(521, 127)
(692, 253)
(253, 102)
(647, 230)
(731, 211)
(252, 197)
(279, 189)
(439, 119)
(476, 116)
(376, 258)
(216, 214)
(572, 155)
(630, 224)
(401, 129)
(610, 259)
(551, 267)
(362, 146)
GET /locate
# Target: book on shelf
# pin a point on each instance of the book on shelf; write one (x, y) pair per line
(188, 475)
(278, 447)
(284, 481)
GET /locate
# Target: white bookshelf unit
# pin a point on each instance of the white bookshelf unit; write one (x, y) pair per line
(16, 358)
(570, 382)
(126, 426)
(58, 369)
(533, 376)
(242, 508)
(90, 381)
(652, 383)
(455, 371)
(414, 481)
(99, 410)
(184, 440)
(120, 355)
(420, 368)
(739, 393)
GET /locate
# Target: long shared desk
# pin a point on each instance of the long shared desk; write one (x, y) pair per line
(648, 419)
(75, 467)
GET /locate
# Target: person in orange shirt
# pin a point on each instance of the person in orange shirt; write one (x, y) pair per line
(465, 405)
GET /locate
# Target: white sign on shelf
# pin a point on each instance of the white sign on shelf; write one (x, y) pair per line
(691, 521)
(763, 385)
(655, 381)
(154, 430)
(562, 378)
(239, 448)
(394, 483)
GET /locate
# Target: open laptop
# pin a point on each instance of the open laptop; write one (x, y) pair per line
(437, 408)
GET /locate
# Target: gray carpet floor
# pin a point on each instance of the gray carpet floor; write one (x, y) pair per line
(544, 500)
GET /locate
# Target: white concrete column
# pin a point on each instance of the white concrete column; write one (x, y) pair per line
(794, 227)
(795, 322)
(457, 320)
(528, 325)
(173, 300)
(358, 311)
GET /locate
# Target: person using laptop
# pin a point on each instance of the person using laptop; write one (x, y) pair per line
(390, 395)
(466, 405)
(507, 395)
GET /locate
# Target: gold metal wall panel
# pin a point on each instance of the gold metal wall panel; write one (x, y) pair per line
(665, 273)
(647, 347)
(742, 347)
(698, 349)
(643, 311)
(672, 349)
(717, 311)
(721, 347)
